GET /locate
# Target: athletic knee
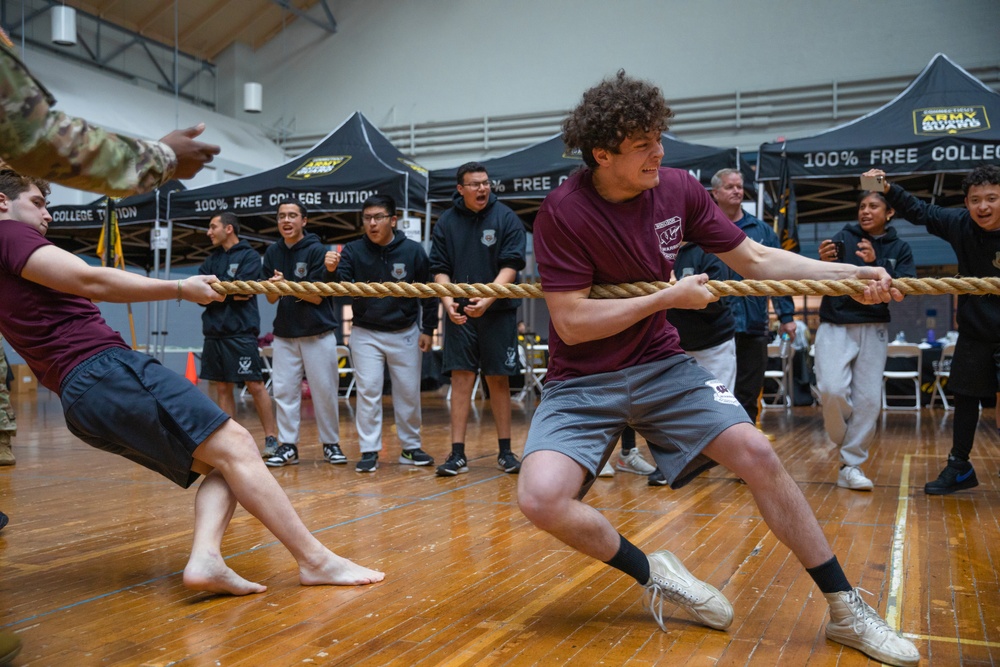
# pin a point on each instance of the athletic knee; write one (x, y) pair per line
(540, 506)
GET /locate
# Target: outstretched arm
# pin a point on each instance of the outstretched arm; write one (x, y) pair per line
(59, 270)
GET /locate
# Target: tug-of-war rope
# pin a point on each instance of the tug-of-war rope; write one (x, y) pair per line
(621, 291)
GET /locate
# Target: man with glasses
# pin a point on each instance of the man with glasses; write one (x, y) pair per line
(384, 331)
(478, 240)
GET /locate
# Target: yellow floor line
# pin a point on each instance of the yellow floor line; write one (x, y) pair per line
(895, 604)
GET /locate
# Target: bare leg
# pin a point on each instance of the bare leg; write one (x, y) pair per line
(262, 403)
(224, 397)
(231, 451)
(500, 403)
(747, 452)
(206, 570)
(546, 492)
(461, 402)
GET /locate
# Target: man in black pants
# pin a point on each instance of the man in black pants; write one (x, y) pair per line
(974, 234)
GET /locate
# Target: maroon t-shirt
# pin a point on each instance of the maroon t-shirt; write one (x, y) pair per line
(581, 239)
(52, 330)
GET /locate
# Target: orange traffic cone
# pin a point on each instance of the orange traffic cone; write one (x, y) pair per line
(192, 373)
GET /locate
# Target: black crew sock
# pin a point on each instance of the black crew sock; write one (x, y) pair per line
(458, 448)
(504, 444)
(829, 577)
(964, 426)
(631, 560)
(628, 439)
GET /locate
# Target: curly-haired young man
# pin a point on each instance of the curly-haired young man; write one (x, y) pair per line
(618, 362)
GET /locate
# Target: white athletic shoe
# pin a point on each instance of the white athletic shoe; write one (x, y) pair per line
(851, 477)
(634, 463)
(607, 470)
(853, 623)
(670, 580)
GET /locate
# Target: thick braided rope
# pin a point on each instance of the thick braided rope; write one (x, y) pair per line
(621, 291)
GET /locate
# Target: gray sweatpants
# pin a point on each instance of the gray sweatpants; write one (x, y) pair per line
(849, 362)
(313, 357)
(371, 350)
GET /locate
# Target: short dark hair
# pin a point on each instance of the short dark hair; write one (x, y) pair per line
(469, 168)
(612, 111)
(867, 193)
(384, 201)
(293, 202)
(228, 218)
(985, 174)
(13, 184)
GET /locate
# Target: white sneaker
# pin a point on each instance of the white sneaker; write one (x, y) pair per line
(853, 623)
(669, 579)
(634, 463)
(607, 470)
(851, 477)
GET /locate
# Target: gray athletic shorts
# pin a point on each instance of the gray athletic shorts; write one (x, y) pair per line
(128, 404)
(675, 404)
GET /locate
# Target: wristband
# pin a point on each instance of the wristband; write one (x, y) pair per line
(179, 296)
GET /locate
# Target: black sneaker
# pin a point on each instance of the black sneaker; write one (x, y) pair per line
(508, 463)
(956, 476)
(3, 520)
(270, 447)
(656, 478)
(455, 465)
(415, 457)
(368, 462)
(286, 455)
(333, 455)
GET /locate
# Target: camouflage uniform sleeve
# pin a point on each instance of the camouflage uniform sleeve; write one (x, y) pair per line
(41, 142)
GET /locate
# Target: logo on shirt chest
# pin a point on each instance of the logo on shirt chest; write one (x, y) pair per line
(301, 270)
(232, 270)
(399, 271)
(489, 237)
(668, 233)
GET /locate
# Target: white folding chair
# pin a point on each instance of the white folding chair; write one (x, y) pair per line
(903, 351)
(942, 371)
(781, 397)
(345, 369)
(533, 363)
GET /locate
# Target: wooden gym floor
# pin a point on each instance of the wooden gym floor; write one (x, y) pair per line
(90, 565)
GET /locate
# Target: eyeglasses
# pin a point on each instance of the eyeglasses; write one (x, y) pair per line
(477, 185)
(379, 217)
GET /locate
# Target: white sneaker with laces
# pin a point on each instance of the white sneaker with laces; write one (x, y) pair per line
(853, 623)
(634, 463)
(670, 580)
(851, 477)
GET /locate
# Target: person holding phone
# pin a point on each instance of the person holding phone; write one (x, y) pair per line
(974, 234)
(852, 337)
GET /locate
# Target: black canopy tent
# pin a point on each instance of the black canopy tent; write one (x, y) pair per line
(941, 126)
(522, 178)
(332, 179)
(77, 228)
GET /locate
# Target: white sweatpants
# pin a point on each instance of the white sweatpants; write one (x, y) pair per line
(313, 357)
(720, 361)
(849, 362)
(371, 350)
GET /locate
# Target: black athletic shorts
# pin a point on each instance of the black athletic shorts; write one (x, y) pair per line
(232, 359)
(127, 403)
(487, 343)
(975, 368)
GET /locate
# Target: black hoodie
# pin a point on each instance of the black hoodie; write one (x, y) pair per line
(302, 262)
(891, 253)
(231, 317)
(472, 247)
(402, 260)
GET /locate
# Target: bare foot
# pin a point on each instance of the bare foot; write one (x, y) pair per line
(214, 576)
(337, 571)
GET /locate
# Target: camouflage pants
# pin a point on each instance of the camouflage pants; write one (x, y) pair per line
(8, 425)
